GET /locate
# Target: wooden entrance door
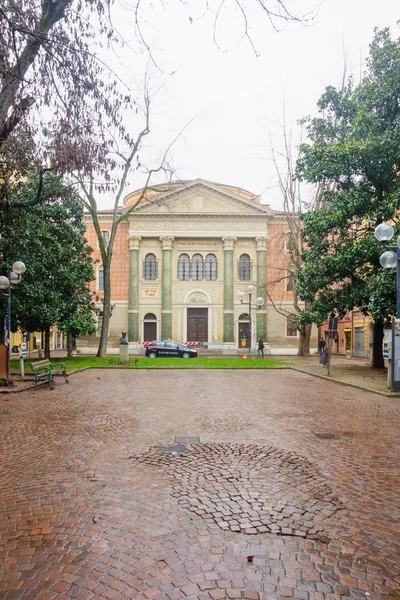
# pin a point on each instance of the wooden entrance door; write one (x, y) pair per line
(149, 332)
(197, 324)
(243, 335)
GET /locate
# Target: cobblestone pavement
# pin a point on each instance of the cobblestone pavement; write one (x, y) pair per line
(95, 503)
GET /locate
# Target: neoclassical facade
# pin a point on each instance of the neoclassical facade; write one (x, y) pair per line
(182, 259)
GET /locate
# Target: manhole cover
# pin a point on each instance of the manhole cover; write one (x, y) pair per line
(248, 488)
(186, 439)
(172, 449)
(326, 436)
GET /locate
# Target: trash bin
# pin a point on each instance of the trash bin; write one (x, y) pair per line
(323, 357)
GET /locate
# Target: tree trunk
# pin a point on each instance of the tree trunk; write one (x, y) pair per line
(377, 350)
(69, 344)
(305, 333)
(47, 343)
(102, 350)
(304, 341)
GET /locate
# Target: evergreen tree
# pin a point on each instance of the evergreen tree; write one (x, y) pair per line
(49, 239)
(354, 150)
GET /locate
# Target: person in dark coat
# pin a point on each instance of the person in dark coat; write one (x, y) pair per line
(321, 345)
(260, 347)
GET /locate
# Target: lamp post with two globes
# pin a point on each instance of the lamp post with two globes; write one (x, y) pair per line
(6, 283)
(259, 304)
(384, 232)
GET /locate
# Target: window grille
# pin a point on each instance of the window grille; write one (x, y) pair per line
(197, 267)
(290, 281)
(211, 268)
(150, 267)
(244, 317)
(100, 282)
(244, 268)
(291, 330)
(289, 242)
(106, 238)
(184, 267)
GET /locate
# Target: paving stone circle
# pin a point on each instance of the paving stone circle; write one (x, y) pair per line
(248, 488)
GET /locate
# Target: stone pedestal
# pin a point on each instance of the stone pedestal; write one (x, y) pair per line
(123, 354)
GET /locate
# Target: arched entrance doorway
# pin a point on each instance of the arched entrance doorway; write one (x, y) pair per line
(243, 336)
(197, 317)
(150, 327)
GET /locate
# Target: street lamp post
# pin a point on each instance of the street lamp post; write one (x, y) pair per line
(6, 283)
(384, 232)
(259, 304)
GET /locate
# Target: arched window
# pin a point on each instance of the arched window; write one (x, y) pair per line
(211, 268)
(197, 267)
(244, 267)
(150, 267)
(100, 280)
(150, 317)
(184, 267)
(244, 317)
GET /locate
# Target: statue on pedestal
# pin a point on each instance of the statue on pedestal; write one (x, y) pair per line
(124, 339)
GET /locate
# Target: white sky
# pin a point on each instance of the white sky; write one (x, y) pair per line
(236, 98)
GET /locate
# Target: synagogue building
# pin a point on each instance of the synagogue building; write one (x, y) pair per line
(182, 265)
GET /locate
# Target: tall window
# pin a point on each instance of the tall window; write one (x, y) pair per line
(244, 267)
(106, 237)
(184, 267)
(150, 267)
(100, 280)
(289, 281)
(197, 267)
(211, 271)
(291, 330)
(289, 242)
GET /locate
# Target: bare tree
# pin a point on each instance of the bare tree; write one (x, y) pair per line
(52, 85)
(125, 162)
(293, 204)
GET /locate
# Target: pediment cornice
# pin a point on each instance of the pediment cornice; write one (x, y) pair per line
(200, 184)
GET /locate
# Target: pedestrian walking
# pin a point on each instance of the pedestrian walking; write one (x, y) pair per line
(321, 345)
(260, 346)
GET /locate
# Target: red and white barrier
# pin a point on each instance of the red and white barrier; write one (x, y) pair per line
(191, 344)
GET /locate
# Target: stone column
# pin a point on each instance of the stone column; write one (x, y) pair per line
(133, 300)
(166, 287)
(262, 286)
(229, 334)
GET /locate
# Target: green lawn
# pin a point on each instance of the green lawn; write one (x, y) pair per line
(141, 362)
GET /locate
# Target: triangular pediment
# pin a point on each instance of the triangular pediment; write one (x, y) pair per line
(201, 197)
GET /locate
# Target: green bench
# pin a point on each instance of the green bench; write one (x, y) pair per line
(44, 370)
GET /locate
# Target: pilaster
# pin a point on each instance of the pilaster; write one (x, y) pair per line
(262, 286)
(133, 299)
(166, 287)
(229, 335)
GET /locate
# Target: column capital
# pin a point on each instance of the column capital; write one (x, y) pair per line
(261, 243)
(229, 242)
(134, 242)
(166, 242)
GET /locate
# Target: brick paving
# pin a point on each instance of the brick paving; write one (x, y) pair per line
(85, 514)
